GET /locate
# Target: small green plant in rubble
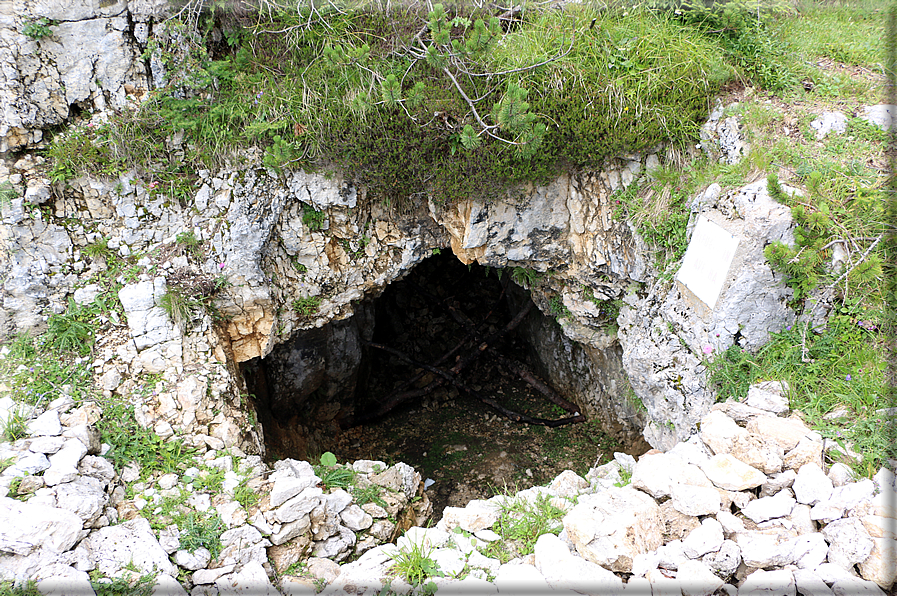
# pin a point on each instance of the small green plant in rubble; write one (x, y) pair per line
(523, 521)
(333, 475)
(414, 564)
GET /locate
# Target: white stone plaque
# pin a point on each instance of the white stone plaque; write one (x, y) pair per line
(707, 261)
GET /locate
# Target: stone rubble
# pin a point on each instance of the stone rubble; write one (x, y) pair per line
(614, 540)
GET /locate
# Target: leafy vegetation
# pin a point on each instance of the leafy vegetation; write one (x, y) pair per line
(522, 521)
(839, 369)
(29, 588)
(126, 585)
(16, 426)
(73, 331)
(37, 29)
(308, 306)
(131, 442)
(471, 105)
(414, 565)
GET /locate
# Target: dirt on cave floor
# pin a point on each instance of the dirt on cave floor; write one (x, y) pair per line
(467, 448)
(472, 452)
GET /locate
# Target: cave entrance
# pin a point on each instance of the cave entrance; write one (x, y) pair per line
(435, 372)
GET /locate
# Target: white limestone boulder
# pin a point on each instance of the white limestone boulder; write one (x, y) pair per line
(881, 564)
(562, 570)
(695, 500)
(251, 580)
(769, 583)
(706, 538)
(696, 579)
(25, 527)
(766, 508)
(728, 473)
(657, 473)
(129, 544)
(611, 527)
(849, 542)
(769, 395)
(812, 485)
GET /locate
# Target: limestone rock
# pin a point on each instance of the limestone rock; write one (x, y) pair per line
(130, 543)
(610, 528)
(300, 505)
(829, 122)
(810, 584)
(287, 487)
(45, 425)
(778, 505)
(762, 549)
(881, 115)
(192, 561)
(770, 396)
(840, 474)
(807, 451)
(520, 578)
(725, 561)
(677, 524)
(355, 518)
(25, 527)
(881, 564)
(787, 432)
(282, 556)
(696, 579)
(809, 550)
(769, 583)
(812, 485)
(562, 570)
(849, 542)
(656, 474)
(64, 463)
(705, 539)
(251, 580)
(84, 497)
(477, 515)
(855, 586)
(777, 482)
(728, 473)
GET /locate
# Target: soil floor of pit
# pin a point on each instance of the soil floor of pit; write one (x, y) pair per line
(463, 445)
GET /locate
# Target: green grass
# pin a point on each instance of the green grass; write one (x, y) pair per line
(522, 522)
(306, 307)
(201, 530)
(73, 331)
(414, 564)
(29, 588)
(16, 426)
(842, 366)
(39, 373)
(850, 32)
(130, 442)
(136, 585)
(329, 95)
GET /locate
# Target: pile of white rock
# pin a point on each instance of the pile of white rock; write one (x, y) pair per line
(747, 506)
(67, 517)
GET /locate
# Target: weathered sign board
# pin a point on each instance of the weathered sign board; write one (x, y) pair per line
(707, 261)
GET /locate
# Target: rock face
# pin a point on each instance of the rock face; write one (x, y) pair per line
(255, 236)
(253, 233)
(90, 59)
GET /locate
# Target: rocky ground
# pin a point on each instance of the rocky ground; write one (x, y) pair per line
(747, 503)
